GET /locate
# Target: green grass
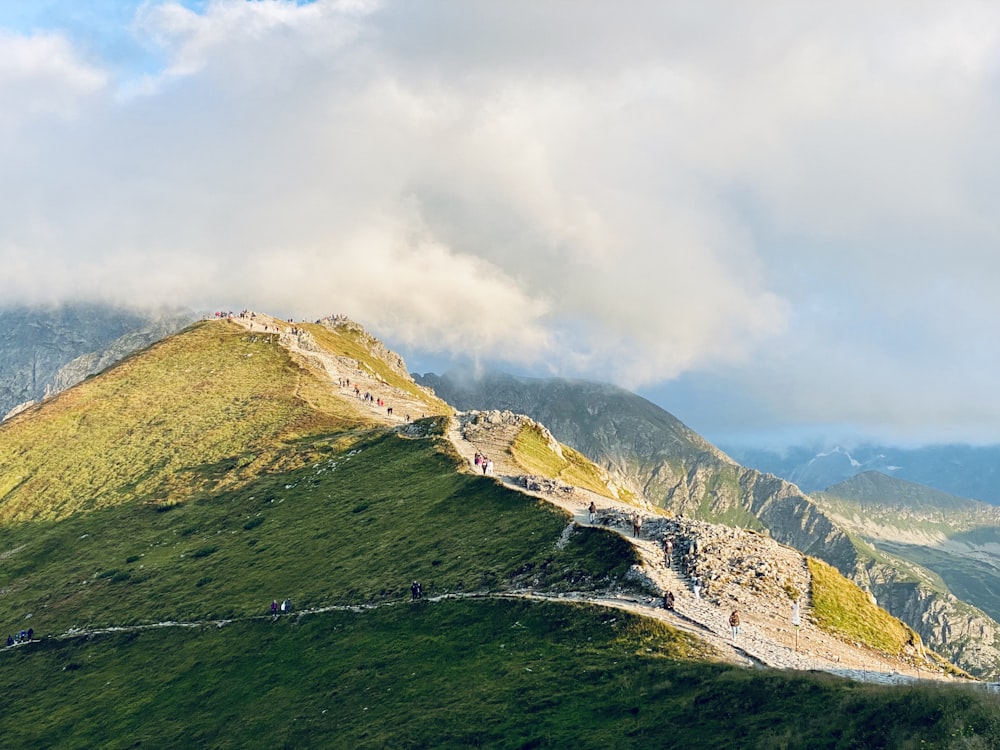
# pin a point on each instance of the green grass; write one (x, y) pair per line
(353, 526)
(841, 607)
(207, 407)
(455, 674)
(532, 451)
(353, 341)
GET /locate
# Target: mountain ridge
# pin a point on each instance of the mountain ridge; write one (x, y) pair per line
(278, 478)
(708, 484)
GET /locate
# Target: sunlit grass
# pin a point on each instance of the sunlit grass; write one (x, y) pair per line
(532, 451)
(839, 606)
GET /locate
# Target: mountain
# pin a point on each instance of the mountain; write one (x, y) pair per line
(647, 449)
(149, 515)
(962, 470)
(47, 349)
(955, 538)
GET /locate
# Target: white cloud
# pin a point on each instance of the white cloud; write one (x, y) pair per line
(617, 195)
(43, 75)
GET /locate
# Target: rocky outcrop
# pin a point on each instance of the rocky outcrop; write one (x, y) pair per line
(964, 634)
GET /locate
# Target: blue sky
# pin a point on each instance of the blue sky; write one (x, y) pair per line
(772, 219)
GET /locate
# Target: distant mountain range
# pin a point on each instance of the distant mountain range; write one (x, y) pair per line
(962, 470)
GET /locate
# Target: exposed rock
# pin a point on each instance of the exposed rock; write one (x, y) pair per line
(376, 348)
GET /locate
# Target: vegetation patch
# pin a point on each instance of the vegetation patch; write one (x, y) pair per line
(840, 607)
(453, 674)
(303, 534)
(532, 451)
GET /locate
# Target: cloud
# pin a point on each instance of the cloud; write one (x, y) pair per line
(795, 196)
(43, 75)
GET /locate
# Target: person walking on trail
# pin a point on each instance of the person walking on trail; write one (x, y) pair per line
(734, 623)
(592, 511)
(668, 600)
(668, 552)
(274, 608)
(416, 590)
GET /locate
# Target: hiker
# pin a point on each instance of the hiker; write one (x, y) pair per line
(734, 623)
(274, 608)
(593, 511)
(636, 525)
(696, 587)
(416, 590)
(668, 552)
(31, 634)
(668, 601)
(10, 640)
(286, 606)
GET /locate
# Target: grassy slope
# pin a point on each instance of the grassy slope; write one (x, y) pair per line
(841, 607)
(289, 493)
(453, 675)
(175, 420)
(351, 527)
(531, 450)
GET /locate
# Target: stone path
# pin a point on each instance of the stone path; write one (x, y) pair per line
(342, 368)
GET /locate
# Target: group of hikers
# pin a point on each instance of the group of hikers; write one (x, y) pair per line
(368, 397)
(687, 561)
(486, 464)
(23, 637)
(284, 608)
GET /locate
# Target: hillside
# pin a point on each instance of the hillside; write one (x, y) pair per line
(232, 465)
(47, 349)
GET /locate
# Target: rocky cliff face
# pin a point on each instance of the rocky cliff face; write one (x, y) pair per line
(655, 455)
(45, 350)
(957, 630)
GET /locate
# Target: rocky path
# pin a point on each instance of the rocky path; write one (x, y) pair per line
(341, 370)
(767, 636)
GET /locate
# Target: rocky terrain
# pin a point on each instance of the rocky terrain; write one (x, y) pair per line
(649, 451)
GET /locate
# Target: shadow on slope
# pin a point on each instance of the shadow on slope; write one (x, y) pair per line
(454, 674)
(352, 526)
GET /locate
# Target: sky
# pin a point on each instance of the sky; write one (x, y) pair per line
(775, 220)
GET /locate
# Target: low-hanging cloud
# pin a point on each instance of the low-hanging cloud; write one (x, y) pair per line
(625, 195)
